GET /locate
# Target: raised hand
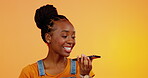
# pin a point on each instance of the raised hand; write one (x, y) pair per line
(85, 64)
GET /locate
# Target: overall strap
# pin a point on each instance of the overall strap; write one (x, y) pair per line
(41, 68)
(73, 67)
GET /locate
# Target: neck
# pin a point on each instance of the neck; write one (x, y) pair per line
(53, 59)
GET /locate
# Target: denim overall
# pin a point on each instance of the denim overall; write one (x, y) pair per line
(42, 72)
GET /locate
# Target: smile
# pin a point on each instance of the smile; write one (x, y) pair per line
(68, 49)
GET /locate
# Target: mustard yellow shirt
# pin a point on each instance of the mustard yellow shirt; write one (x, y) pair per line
(31, 71)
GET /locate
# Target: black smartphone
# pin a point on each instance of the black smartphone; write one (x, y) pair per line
(90, 57)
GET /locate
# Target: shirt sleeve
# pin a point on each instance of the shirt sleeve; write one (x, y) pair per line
(25, 73)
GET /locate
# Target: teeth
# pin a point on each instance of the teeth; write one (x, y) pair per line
(67, 48)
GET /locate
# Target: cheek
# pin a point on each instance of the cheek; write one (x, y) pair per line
(58, 41)
(61, 41)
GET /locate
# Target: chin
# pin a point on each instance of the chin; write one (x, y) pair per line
(66, 55)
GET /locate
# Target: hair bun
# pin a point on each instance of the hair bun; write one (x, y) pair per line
(43, 14)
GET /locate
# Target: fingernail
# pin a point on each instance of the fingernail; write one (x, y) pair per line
(83, 55)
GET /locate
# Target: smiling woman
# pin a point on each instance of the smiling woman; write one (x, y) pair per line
(59, 35)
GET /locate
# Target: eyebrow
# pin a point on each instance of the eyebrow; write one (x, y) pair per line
(66, 31)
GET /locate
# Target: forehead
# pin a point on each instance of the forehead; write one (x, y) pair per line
(63, 24)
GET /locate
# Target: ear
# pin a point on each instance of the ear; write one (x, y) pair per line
(48, 37)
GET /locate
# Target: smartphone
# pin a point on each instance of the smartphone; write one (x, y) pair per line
(90, 57)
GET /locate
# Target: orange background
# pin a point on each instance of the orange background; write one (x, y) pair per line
(115, 29)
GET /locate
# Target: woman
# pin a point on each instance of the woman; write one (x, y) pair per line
(59, 35)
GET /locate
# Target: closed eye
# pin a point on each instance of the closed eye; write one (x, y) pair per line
(64, 36)
(73, 37)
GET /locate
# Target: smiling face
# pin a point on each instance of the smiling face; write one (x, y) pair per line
(62, 39)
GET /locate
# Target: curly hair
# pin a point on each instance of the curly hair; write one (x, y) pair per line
(45, 17)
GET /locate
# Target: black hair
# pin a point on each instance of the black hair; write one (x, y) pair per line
(45, 17)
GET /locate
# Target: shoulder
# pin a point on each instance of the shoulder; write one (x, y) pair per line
(29, 71)
(30, 67)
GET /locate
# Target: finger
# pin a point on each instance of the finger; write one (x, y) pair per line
(86, 62)
(89, 63)
(82, 59)
(79, 61)
(78, 58)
